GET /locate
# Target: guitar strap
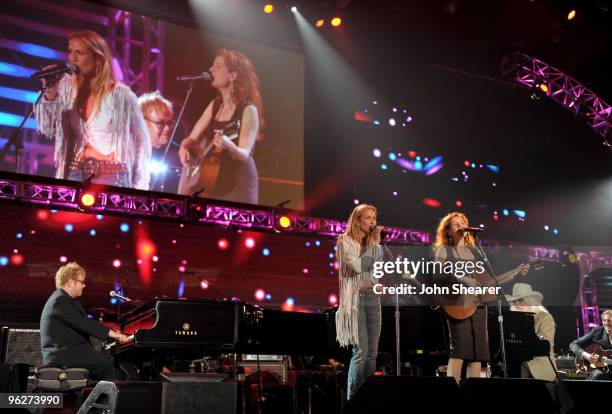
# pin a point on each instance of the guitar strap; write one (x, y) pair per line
(216, 107)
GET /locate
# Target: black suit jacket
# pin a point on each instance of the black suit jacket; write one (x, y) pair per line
(65, 330)
(596, 336)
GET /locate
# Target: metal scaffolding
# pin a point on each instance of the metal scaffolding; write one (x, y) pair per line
(138, 43)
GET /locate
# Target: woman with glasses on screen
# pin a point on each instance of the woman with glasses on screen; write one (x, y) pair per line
(217, 156)
(99, 132)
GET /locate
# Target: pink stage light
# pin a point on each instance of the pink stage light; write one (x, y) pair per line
(260, 294)
(332, 299)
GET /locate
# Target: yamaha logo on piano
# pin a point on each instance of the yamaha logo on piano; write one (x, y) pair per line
(185, 331)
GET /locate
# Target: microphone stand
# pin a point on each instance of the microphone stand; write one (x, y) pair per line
(16, 138)
(500, 316)
(397, 315)
(178, 120)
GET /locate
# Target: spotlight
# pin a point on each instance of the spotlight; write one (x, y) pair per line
(571, 14)
(336, 21)
(281, 220)
(319, 23)
(284, 222)
(86, 200)
(268, 8)
(157, 167)
(294, 9)
(204, 284)
(543, 87)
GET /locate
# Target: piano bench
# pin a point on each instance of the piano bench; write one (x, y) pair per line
(60, 379)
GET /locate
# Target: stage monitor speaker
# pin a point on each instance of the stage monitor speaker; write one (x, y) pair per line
(387, 394)
(201, 397)
(588, 396)
(149, 397)
(506, 395)
(21, 346)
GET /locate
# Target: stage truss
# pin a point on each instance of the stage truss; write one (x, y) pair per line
(547, 80)
(64, 195)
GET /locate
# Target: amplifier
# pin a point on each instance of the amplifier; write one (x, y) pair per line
(21, 346)
(565, 362)
(279, 369)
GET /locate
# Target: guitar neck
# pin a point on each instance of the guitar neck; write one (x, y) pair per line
(504, 277)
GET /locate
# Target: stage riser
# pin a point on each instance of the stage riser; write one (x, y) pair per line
(478, 395)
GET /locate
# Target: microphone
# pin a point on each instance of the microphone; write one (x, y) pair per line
(205, 76)
(114, 294)
(383, 232)
(469, 229)
(57, 70)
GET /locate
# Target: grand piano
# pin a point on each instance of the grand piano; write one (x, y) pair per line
(168, 330)
(522, 344)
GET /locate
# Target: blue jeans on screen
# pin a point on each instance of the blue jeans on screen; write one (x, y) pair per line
(363, 361)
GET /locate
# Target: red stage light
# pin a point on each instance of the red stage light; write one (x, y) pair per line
(336, 21)
(42, 214)
(431, 202)
(268, 8)
(319, 23)
(204, 284)
(249, 243)
(17, 259)
(222, 244)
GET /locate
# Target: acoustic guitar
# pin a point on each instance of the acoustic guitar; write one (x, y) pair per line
(201, 173)
(604, 359)
(464, 306)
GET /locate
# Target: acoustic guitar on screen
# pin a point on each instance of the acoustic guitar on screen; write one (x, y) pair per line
(464, 306)
(201, 173)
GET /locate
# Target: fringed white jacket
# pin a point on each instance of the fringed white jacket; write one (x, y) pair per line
(130, 138)
(354, 273)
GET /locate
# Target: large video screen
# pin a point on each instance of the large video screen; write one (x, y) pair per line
(116, 113)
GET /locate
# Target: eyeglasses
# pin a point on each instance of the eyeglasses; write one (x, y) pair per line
(162, 124)
(80, 281)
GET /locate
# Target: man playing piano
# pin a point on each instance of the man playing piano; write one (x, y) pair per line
(599, 336)
(65, 329)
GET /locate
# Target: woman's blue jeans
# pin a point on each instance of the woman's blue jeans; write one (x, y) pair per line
(363, 361)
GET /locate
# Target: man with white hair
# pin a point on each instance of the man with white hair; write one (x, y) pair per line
(525, 299)
(65, 329)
